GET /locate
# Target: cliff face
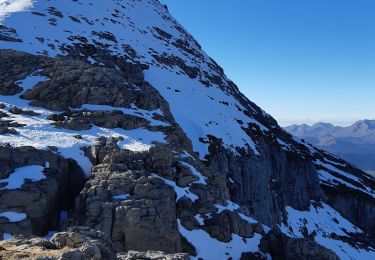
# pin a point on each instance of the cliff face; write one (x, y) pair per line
(175, 158)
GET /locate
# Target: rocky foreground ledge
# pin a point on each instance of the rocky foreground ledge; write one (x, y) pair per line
(79, 243)
(82, 243)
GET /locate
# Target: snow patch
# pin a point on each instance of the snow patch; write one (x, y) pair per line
(13, 216)
(18, 177)
(134, 111)
(39, 133)
(231, 206)
(202, 179)
(180, 192)
(11, 6)
(324, 221)
(121, 197)
(248, 219)
(7, 236)
(210, 248)
(31, 80)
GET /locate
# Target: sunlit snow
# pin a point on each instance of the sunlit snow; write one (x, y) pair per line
(180, 192)
(13, 216)
(18, 177)
(210, 248)
(11, 6)
(325, 221)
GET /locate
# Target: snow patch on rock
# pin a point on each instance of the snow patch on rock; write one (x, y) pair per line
(210, 248)
(13, 216)
(324, 221)
(18, 177)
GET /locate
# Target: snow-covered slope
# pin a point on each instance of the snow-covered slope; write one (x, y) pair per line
(231, 163)
(178, 67)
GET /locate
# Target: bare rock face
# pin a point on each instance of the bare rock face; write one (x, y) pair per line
(83, 120)
(281, 247)
(33, 206)
(137, 211)
(307, 249)
(354, 205)
(266, 183)
(83, 83)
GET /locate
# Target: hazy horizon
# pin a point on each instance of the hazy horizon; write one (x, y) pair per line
(300, 61)
(285, 123)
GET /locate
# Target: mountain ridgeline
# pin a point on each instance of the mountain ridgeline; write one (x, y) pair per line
(354, 143)
(122, 139)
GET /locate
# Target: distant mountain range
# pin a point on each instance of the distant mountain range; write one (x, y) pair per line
(355, 143)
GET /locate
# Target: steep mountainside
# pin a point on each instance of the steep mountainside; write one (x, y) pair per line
(120, 133)
(355, 143)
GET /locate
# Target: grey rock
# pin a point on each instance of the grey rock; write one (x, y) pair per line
(41, 201)
(151, 255)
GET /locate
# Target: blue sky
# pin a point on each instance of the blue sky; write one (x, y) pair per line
(301, 60)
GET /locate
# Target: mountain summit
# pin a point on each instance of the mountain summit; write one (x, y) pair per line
(121, 136)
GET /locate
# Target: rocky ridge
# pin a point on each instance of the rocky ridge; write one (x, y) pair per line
(159, 175)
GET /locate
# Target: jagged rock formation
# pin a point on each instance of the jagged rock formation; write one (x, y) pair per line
(34, 207)
(176, 158)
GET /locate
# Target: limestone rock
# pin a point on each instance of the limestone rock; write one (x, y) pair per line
(77, 243)
(41, 201)
(151, 255)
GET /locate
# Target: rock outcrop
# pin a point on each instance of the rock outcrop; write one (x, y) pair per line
(33, 200)
(76, 243)
(280, 247)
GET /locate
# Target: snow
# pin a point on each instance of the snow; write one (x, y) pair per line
(231, 206)
(185, 154)
(7, 236)
(180, 192)
(210, 248)
(196, 120)
(327, 177)
(202, 179)
(325, 221)
(284, 145)
(121, 197)
(49, 235)
(10, 6)
(13, 216)
(40, 134)
(31, 80)
(198, 109)
(200, 219)
(334, 169)
(344, 250)
(335, 163)
(18, 177)
(248, 219)
(134, 111)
